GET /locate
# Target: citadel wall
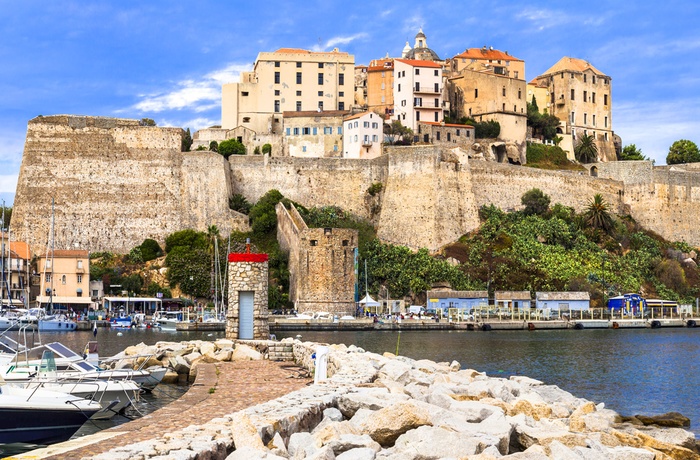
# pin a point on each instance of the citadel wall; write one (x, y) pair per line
(115, 183)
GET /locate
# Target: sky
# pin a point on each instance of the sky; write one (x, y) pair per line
(167, 59)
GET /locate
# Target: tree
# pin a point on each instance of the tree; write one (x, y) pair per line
(147, 122)
(586, 150)
(396, 131)
(267, 148)
(231, 147)
(239, 203)
(214, 146)
(535, 202)
(6, 214)
(150, 249)
(263, 216)
(186, 140)
(683, 151)
(631, 153)
(597, 214)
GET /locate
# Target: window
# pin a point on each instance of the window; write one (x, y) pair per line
(303, 148)
(403, 103)
(606, 122)
(437, 88)
(365, 124)
(320, 78)
(593, 98)
(457, 132)
(306, 131)
(48, 278)
(593, 119)
(320, 94)
(417, 86)
(449, 137)
(63, 279)
(585, 96)
(375, 138)
(519, 94)
(277, 77)
(382, 74)
(515, 74)
(382, 85)
(320, 105)
(605, 99)
(320, 65)
(476, 93)
(277, 106)
(288, 130)
(340, 130)
(585, 118)
(296, 131)
(504, 107)
(584, 78)
(246, 119)
(80, 265)
(417, 71)
(375, 125)
(341, 78)
(572, 94)
(515, 108)
(298, 106)
(277, 92)
(298, 93)
(341, 93)
(356, 125)
(436, 116)
(504, 91)
(436, 73)
(313, 242)
(298, 78)
(299, 65)
(80, 279)
(467, 133)
(365, 140)
(437, 135)
(606, 136)
(417, 116)
(573, 117)
(328, 130)
(355, 137)
(399, 87)
(341, 105)
(244, 93)
(593, 79)
(277, 63)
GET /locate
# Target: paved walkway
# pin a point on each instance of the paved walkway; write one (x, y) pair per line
(238, 385)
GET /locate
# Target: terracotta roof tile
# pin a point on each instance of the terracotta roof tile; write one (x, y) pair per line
(481, 53)
(418, 63)
(569, 64)
(314, 113)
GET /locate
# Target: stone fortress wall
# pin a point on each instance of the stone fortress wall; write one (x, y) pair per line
(116, 183)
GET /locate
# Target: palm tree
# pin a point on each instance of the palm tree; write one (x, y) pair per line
(586, 150)
(597, 215)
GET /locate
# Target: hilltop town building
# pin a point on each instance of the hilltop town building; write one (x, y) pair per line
(380, 86)
(581, 97)
(445, 134)
(313, 134)
(488, 84)
(417, 92)
(15, 281)
(364, 134)
(288, 80)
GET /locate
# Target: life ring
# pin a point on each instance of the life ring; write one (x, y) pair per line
(578, 326)
(530, 326)
(655, 324)
(691, 323)
(616, 326)
(485, 327)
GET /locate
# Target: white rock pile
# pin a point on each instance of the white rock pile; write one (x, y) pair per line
(395, 408)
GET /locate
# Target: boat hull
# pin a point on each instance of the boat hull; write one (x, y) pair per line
(39, 426)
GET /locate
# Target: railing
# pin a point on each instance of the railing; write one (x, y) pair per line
(427, 105)
(427, 89)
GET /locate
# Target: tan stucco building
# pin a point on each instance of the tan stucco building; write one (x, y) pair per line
(314, 134)
(286, 80)
(581, 97)
(67, 273)
(380, 86)
(488, 84)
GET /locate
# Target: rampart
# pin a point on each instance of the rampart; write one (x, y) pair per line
(116, 183)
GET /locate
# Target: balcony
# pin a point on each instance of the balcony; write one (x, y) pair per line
(427, 90)
(426, 105)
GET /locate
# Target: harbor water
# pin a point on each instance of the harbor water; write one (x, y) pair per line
(633, 371)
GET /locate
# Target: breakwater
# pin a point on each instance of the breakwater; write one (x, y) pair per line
(385, 406)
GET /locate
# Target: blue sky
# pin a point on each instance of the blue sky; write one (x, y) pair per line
(167, 60)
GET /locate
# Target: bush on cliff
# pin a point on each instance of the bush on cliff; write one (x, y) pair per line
(150, 249)
(239, 203)
(548, 157)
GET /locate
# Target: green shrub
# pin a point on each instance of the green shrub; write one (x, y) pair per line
(231, 147)
(150, 249)
(239, 203)
(375, 188)
(267, 148)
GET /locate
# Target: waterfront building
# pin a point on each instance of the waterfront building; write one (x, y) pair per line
(15, 279)
(557, 304)
(65, 280)
(364, 134)
(442, 300)
(313, 134)
(518, 301)
(488, 84)
(579, 95)
(287, 80)
(418, 90)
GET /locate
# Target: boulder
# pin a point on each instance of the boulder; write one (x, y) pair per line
(669, 419)
(207, 347)
(387, 424)
(277, 447)
(245, 353)
(249, 453)
(348, 442)
(245, 434)
(301, 444)
(333, 430)
(360, 453)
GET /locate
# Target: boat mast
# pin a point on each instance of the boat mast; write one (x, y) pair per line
(2, 256)
(53, 270)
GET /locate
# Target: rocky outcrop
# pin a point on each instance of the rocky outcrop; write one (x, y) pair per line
(394, 408)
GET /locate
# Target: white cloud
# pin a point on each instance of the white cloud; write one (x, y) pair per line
(194, 124)
(339, 41)
(197, 95)
(385, 13)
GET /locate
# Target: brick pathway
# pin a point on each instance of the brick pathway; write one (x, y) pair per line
(238, 385)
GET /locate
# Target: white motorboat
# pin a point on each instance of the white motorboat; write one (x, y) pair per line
(41, 416)
(167, 320)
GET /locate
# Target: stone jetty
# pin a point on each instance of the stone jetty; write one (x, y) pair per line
(390, 407)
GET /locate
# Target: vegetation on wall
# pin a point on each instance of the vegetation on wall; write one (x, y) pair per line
(544, 126)
(586, 150)
(186, 140)
(398, 134)
(683, 151)
(631, 153)
(551, 157)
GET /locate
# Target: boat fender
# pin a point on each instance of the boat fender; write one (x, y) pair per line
(616, 326)
(578, 326)
(655, 324)
(485, 327)
(691, 323)
(530, 326)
